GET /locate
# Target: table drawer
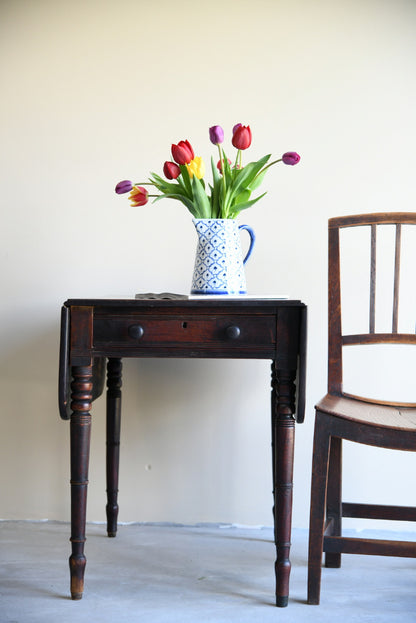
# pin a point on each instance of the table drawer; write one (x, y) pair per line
(141, 330)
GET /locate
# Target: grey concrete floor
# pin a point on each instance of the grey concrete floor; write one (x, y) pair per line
(198, 574)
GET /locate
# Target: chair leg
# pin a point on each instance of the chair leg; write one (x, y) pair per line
(114, 368)
(317, 516)
(334, 499)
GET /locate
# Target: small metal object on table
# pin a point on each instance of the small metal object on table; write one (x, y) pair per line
(96, 334)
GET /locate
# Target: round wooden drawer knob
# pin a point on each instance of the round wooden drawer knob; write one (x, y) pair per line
(136, 331)
(233, 332)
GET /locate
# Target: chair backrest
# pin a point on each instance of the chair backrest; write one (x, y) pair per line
(337, 339)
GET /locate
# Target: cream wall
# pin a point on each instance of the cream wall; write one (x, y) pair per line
(96, 91)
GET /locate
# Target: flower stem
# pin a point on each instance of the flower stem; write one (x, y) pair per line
(224, 182)
(267, 167)
(236, 158)
(271, 164)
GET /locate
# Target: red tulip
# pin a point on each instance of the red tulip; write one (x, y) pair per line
(171, 170)
(183, 153)
(219, 164)
(291, 157)
(138, 196)
(241, 136)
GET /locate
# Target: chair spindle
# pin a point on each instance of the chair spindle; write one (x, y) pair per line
(396, 278)
(373, 279)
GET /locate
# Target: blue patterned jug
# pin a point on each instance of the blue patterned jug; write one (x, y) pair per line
(219, 263)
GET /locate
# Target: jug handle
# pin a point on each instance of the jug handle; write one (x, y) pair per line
(252, 241)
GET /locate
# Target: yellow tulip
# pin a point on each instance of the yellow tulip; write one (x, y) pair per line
(196, 167)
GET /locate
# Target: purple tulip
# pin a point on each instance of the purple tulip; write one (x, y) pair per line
(291, 157)
(216, 134)
(123, 187)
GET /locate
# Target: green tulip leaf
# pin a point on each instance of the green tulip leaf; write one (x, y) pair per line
(201, 200)
(227, 171)
(186, 179)
(246, 176)
(247, 204)
(164, 186)
(258, 180)
(185, 190)
(185, 200)
(243, 197)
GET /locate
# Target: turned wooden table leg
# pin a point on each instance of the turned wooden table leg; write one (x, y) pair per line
(283, 439)
(81, 388)
(114, 370)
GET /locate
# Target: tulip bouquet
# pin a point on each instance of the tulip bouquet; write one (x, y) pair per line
(232, 184)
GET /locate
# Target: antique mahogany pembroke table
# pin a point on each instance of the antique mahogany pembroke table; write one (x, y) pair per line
(96, 331)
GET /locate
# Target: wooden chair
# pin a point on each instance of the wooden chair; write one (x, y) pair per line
(340, 415)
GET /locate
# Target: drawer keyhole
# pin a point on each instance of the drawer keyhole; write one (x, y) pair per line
(184, 325)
